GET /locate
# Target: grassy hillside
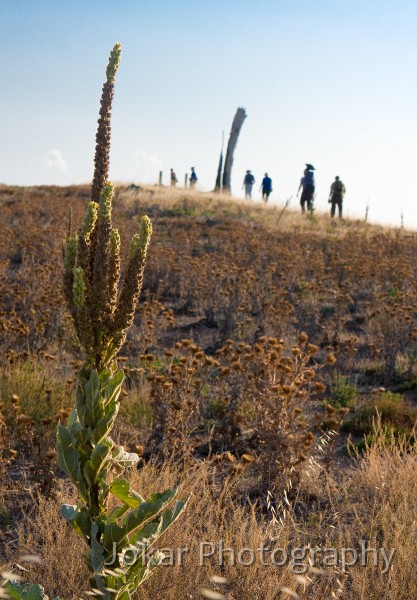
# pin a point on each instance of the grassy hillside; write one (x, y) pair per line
(271, 365)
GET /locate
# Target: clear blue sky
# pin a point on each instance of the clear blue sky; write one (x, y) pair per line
(331, 82)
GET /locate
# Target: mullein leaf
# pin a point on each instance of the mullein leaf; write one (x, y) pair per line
(68, 456)
(121, 489)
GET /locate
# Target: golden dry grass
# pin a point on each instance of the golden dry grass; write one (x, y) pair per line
(218, 269)
(374, 500)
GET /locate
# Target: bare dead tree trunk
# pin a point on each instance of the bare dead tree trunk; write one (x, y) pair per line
(240, 116)
(218, 186)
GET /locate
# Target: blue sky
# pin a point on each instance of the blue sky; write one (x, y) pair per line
(333, 83)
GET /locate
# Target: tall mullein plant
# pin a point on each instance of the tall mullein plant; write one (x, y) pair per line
(102, 304)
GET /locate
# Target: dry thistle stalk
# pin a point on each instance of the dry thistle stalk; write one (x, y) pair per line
(103, 310)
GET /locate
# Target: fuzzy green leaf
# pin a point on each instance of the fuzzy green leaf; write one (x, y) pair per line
(151, 532)
(97, 551)
(138, 516)
(105, 425)
(78, 518)
(68, 456)
(121, 489)
(139, 575)
(99, 456)
(113, 388)
(25, 591)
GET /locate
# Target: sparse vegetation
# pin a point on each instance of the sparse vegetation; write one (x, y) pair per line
(269, 366)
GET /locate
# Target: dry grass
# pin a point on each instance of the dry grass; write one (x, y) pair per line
(374, 500)
(218, 269)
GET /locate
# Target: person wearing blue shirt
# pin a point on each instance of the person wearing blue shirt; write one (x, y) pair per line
(266, 187)
(193, 178)
(309, 185)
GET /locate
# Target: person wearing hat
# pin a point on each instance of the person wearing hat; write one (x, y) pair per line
(309, 185)
(248, 182)
(337, 191)
(193, 178)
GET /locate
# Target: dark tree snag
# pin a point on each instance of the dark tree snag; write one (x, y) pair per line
(218, 186)
(240, 116)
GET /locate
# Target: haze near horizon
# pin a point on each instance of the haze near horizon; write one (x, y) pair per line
(329, 83)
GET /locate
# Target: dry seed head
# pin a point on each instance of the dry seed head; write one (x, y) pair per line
(247, 458)
(303, 337)
(331, 358)
(228, 456)
(237, 366)
(24, 420)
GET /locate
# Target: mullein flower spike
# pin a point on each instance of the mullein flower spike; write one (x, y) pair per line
(79, 287)
(102, 154)
(102, 315)
(90, 219)
(70, 253)
(105, 206)
(140, 241)
(114, 62)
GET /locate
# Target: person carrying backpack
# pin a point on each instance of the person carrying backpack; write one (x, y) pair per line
(309, 185)
(248, 182)
(337, 191)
